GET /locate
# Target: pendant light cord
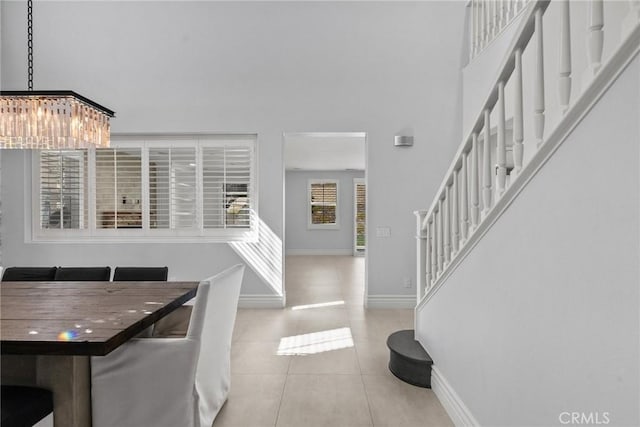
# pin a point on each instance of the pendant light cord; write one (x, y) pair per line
(30, 43)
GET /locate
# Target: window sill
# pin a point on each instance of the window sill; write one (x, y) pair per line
(246, 237)
(323, 226)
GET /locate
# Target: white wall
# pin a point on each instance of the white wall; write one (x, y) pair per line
(542, 316)
(257, 67)
(299, 239)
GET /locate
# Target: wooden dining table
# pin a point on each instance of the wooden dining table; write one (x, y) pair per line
(49, 331)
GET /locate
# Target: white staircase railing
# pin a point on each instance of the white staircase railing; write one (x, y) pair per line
(485, 175)
(488, 18)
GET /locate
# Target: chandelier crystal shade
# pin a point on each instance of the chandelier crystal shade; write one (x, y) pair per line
(52, 120)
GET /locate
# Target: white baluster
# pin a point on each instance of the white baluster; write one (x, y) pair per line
(477, 20)
(503, 13)
(446, 213)
(494, 18)
(440, 237)
(595, 36)
(434, 248)
(464, 201)
(632, 19)
(518, 128)
(538, 87)
(498, 16)
(487, 21)
(427, 258)
(422, 253)
(471, 31)
(478, 29)
(486, 165)
(564, 83)
(501, 150)
(454, 213)
(486, 5)
(475, 182)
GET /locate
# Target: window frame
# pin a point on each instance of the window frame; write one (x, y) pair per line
(83, 194)
(93, 234)
(310, 224)
(359, 250)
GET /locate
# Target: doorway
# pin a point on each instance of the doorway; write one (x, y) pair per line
(324, 199)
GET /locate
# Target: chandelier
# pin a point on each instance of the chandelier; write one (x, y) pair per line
(50, 119)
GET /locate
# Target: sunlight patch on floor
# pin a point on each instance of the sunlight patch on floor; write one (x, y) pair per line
(315, 342)
(318, 305)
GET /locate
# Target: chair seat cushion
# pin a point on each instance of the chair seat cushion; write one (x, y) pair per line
(24, 406)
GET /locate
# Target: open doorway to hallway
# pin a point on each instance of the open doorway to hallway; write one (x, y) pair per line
(325, 197)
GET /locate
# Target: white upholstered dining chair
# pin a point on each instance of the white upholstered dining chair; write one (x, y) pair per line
(172, 382)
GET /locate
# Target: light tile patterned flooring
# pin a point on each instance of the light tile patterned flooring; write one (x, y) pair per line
(332, 367)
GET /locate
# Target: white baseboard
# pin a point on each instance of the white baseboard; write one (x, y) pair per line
(455, 407)
(319, 251)
(261, 301)
(391, 301)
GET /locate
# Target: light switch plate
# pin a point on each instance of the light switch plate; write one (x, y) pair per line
(383, 232)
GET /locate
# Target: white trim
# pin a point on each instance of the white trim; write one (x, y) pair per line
(261, 301)
(294, 252)
(391, 301)
(618, 62)
(356, 182)
(455, 407)
(325, 134)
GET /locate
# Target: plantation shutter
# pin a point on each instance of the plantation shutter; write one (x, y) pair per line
(226, 185)
(324, 200)
(361, 194)
(118, 188)
(63, 189)
(172, 188)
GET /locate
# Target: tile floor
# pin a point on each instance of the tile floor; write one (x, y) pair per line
(323, 365)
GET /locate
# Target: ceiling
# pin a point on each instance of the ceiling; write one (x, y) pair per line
(324, 151)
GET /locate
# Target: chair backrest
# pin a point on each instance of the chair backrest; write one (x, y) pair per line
(83, 274)
(24, 406)
(141, 274)
(29, 274)
(213, 321)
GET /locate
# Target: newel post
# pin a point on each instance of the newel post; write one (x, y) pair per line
(421, 246)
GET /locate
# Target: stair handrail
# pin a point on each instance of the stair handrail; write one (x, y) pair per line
(441, 235)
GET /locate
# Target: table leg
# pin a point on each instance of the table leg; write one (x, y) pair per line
(69, 378)
(18, 369)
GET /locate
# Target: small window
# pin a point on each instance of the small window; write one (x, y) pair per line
(323, 204)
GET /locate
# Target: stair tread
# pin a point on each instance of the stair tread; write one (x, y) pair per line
(403, 343)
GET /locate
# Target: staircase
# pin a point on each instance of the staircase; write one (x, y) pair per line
(524, 252)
